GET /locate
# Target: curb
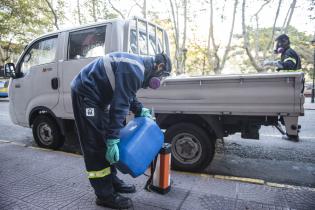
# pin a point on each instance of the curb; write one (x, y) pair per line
(241, 179)
(229, 178)
(39, 148)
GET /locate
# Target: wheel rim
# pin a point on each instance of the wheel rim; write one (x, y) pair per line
(186, 148)
(44, 133)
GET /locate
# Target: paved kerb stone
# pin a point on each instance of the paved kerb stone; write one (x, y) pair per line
(171, 200)
(54, 197)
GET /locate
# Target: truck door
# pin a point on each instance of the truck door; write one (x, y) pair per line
(37, 82)
(83, 46)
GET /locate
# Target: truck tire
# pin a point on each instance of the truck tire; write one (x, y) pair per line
(47, 133)
(192, 149)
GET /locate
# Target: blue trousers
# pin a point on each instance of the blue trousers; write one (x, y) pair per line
(92, 121)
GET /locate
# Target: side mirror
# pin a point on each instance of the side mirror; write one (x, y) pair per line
(9, 70)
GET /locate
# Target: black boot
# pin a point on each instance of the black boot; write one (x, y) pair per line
(114, 201)
(291, 138)
(122, 187)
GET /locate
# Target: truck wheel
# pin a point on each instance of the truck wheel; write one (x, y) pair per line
(192, 150)
(47, 133)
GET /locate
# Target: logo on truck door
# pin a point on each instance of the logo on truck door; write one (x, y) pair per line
(89, 112)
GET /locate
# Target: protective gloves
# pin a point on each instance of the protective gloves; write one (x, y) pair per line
(272, 63)
(112, 152)
(145, 112)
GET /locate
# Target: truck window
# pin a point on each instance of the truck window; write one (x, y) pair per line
(87, 43)
(143, 43)
(41, 52)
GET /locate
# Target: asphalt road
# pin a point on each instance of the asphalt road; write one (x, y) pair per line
(271, 158)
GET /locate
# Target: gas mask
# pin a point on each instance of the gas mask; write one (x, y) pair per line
(282, 43)
(278, 48)
(162, 69)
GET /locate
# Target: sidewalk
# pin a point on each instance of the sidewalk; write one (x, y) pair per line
(33, 178)
(308, 104)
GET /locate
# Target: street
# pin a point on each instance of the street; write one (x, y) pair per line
(271, 158)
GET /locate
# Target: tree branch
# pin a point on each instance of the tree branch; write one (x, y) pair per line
(215, 47)
(227, 49)
(261, 7)
(116, 10)
(290, 16)
(246, 42)
(54, 14)
(176, 36)
(273, 28)
(79, 12)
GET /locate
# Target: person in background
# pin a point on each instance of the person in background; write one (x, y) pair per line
(290, 60)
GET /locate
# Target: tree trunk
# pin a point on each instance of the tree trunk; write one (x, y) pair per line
(53, 13)
(290, 16)
(94, 5)
(116, 9)
(216, 64)
(273, 29)
(256, 40)
(79, 12)
(209, 47)
(144, 9)
(176, 36)
(227, 49)
(256, 15)
(246, 42)
(184, 50)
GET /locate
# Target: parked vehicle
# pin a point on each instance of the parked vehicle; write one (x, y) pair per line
(308, 89)
(4, 83)
(197, 111)
(193, 111)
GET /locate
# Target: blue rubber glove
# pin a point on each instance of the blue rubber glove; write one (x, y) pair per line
(145, 112)
(112, 152)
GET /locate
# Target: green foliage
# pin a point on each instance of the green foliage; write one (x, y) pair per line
(197, 61)
(98, 9)
(21, 21)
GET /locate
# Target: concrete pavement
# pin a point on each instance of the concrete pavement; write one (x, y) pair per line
(33, 178)
(308, 105)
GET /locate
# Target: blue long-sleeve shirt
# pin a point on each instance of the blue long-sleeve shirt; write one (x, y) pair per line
(290, 60)
(93, 82)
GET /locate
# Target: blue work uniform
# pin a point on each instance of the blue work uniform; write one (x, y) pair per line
(290, 60)
(102, 94)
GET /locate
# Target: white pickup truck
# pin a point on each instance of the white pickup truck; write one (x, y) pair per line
(193, 111)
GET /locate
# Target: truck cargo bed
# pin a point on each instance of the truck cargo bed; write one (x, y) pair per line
(254, 94)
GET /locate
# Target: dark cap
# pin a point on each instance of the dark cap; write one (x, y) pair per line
(283, 38)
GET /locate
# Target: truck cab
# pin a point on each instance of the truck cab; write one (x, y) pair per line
(39, 89)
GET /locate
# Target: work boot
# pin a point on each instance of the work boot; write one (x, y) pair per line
(122, 187)
(291, 138)
(114, 201)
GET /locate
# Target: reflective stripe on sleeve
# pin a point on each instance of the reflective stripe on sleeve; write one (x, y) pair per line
(98, 174)
(290, 59)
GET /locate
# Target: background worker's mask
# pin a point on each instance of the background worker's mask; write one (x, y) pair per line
(282, 43)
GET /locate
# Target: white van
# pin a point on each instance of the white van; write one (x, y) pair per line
(39, 90)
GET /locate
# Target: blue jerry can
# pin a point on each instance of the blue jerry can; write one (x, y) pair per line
(140, 141)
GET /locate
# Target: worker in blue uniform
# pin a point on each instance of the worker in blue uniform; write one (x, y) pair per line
(102, 94)
(290, 60)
